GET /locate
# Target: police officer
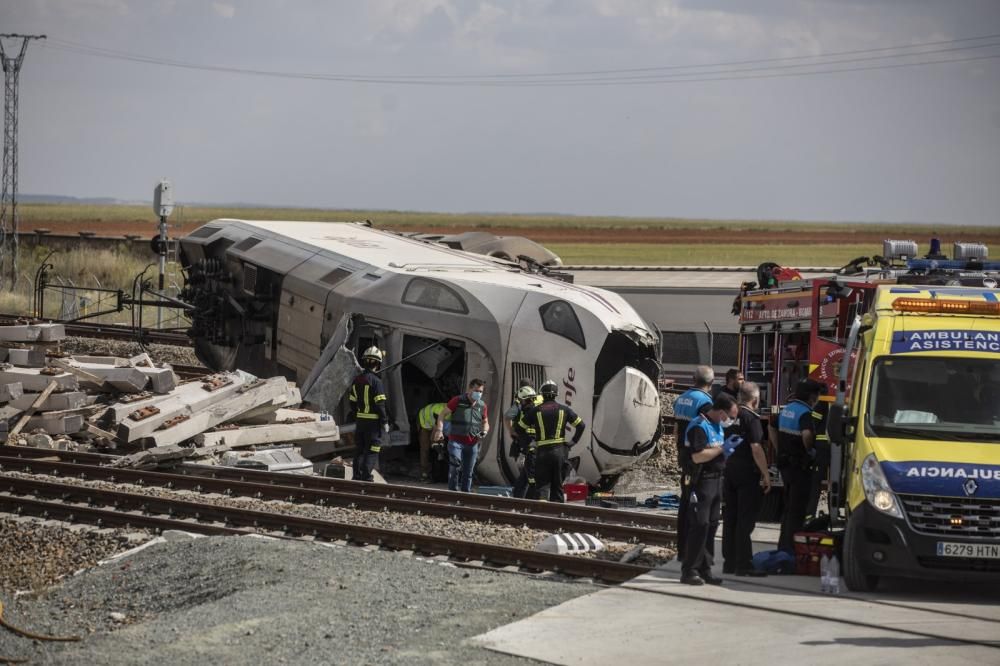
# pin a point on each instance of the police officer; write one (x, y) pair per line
(688, 405)
(705, 441)
(367, 399)
(521, 438)
(745, 474)
(796, 451)
(547, 423)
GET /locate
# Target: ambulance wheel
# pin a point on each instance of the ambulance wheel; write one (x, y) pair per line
(854, 575)
(771, 507)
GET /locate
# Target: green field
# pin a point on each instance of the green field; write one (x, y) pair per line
(744, 254)
(91, 217)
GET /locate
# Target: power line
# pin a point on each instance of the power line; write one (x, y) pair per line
(681, 73)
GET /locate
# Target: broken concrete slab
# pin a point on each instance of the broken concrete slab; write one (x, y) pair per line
(187, 400)
(150, 458)
(55, 402)
(161, 377)
(55, 423)
(247, 397)
(269, 460)
(26, 358)
(32, 332)
(265, 413)
(36, 379)
(126, 380)
(270, 434)
(11, 392)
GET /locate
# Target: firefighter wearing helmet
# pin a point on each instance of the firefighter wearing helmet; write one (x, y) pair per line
(367, 398)
(547, 424)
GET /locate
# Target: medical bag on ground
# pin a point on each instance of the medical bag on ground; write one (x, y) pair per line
(810, 547)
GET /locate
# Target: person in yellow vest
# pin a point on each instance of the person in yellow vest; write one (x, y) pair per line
(426, 418)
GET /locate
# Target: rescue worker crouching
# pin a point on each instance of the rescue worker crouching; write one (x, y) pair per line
(426, 419)
(796, 435)
(470, 423)
(705, 440)
(688, 405)
(367, 398)
(546, 424)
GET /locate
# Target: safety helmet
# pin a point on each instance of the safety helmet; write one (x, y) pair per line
(525, 393)
(372, 354)
(549, 389)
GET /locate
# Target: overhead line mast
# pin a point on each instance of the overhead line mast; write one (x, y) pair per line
(8, 199)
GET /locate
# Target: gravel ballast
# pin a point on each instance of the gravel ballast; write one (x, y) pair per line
(235, 600)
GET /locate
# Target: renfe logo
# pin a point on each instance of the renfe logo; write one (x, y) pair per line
(946, 340)
(943, 479)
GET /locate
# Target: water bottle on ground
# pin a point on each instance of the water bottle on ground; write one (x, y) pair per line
(834, 575)
(824, 574)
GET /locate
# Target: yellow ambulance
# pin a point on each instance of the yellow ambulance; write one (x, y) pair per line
(915, 467)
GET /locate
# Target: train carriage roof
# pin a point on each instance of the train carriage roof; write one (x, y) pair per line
(403, 255)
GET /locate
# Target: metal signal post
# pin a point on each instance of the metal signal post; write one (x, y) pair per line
(163, 205)
(8, 200)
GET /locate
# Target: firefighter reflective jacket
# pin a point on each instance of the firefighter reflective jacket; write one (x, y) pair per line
(367, 398)
(547, 423)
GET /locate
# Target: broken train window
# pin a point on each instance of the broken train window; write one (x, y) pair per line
(558, 317)
(426, 293)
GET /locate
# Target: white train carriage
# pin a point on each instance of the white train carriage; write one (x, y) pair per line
(289, 297)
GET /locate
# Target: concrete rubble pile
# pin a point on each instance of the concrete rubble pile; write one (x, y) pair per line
(137, 407)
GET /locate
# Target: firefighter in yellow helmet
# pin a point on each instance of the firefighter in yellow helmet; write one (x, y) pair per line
(367, 398)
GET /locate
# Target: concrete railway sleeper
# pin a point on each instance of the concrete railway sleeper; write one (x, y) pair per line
(75, 503)
(290, 493)
(417, 493)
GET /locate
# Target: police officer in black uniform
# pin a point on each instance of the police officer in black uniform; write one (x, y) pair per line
(547, 424)
(742, 492)
(796, 451)
(367, 399)
(705, 440)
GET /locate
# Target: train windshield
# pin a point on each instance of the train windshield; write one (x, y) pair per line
(936, 398)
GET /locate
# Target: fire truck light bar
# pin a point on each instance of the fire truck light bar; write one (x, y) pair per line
(945, 306)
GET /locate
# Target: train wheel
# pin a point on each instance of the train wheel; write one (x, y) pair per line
(854, 575)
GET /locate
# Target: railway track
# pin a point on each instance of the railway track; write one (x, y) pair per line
(79, 503)
(372, 494)
(85, 329)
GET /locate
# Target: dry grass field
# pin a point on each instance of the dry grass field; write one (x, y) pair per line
(577, 239)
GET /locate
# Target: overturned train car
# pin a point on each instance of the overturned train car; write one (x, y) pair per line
(294, 298)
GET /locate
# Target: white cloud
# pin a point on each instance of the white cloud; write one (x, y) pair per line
(224, 10)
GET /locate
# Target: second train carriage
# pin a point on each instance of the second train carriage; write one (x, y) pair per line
(288, 297)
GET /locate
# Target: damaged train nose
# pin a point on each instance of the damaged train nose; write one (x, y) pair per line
(626, 420)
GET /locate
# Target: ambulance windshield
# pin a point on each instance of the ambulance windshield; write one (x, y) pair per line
(936, 398)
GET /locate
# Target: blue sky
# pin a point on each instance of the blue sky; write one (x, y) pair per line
(901, 144)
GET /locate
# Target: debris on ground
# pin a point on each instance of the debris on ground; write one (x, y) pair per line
(138, 408)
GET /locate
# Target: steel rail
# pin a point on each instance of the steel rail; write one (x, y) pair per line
(418, 493)
(292, 494)
(85, 329)
(133, 510)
